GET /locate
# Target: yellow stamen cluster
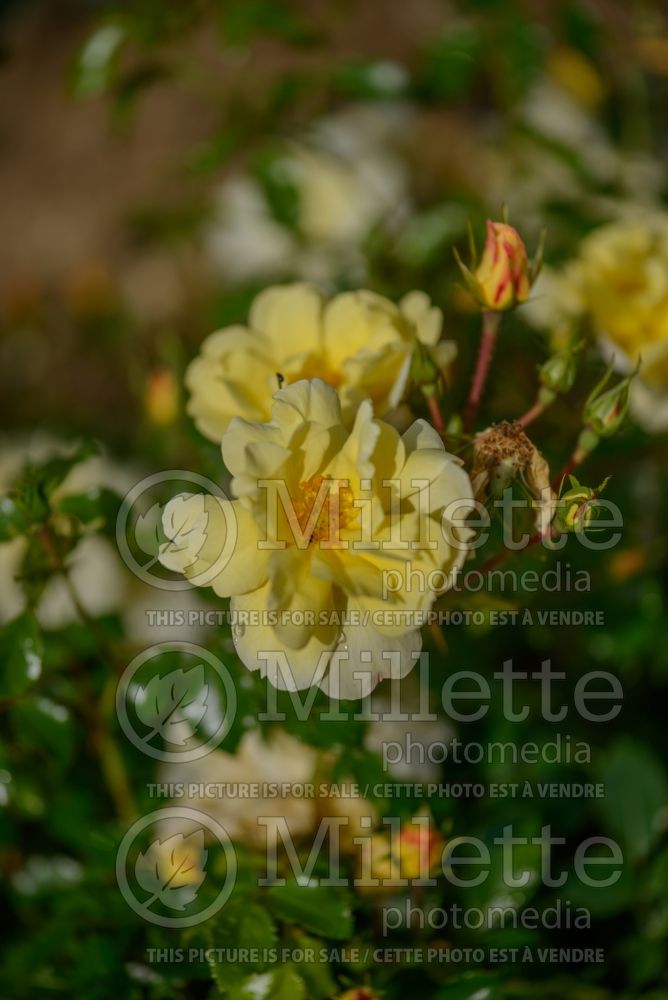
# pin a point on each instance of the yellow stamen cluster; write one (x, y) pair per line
(337, 511)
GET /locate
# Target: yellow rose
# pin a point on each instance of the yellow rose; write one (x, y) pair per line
(358, 342)
(323, 515)
(622, 278)
(618, 285)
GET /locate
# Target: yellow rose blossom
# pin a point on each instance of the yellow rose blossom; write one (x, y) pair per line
(323, 513)
(618, 285)
(358, 342)
(622, 279)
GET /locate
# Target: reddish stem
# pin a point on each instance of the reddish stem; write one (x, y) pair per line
(439, 638)
(576, 459)
(531, 414)
(435, 411)
(490, 327)
(501, 556)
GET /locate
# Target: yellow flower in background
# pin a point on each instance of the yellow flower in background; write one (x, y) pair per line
(621, 275)
(161, 397)
(358, 342)
(577, 75)
(618, 286)
(412, 853)
(323, 515)
(503, 276)
(622, 279)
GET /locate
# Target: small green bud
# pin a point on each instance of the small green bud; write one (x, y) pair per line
(557, 374)
(424, 371)
(605, 411)
(577, 508)
(455, 425)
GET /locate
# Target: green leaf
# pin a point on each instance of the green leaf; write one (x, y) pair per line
(276, 176)
(32, 491)
(429, 232)
(241, 925)
(452, 65)
(280, 984)
(245, 925)
(471, 986)
(320, 909)
(96, 504)
(95, 66)
(381, 78)
(316, 974)
(211, 154)
(604, 900)
(242, 20)
(635, 807)
(132, 85)
(42, 724)
(37, 566)
(495, 888)
(21, 652)
(12, 520)
(53, 472)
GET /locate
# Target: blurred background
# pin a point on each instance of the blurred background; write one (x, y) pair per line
(162, 162)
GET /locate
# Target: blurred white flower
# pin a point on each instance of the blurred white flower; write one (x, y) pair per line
(406, 744)
(559, 152)
(96, 571)
(347, 178)
(217, 785)
(100, 579)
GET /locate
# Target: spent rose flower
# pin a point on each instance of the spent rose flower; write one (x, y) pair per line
(502, 453)
(358, 342)
(323, 512)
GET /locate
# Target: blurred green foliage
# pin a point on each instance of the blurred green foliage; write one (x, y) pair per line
(70, 783)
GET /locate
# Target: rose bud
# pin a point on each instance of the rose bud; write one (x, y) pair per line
(605, 411)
